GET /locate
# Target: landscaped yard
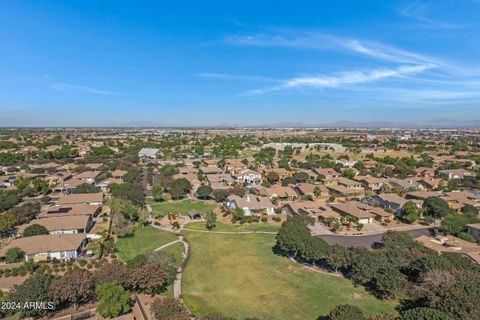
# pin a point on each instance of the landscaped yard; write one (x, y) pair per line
(260, 226)
(144, 239)
(240, 276)
(183, 207)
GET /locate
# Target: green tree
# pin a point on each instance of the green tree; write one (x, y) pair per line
(301, 176)
(113, 298)
(204, 192)
(40, 186)
(388, 282)
(13, 255)
(180, 188)
(338, 257)
(21, 183)
(157, 192)
(220, 195)
(293, 235)
(34, 230)
(36, 288)
(7, 222)
(348, 173)
(86, 188)
(436, 207)
(211, 219)
(410, 212)
(346, 312)
(423, 313)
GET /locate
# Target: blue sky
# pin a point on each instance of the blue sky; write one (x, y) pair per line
(121, 63)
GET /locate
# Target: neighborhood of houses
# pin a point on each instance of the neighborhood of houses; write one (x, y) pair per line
(333, 189)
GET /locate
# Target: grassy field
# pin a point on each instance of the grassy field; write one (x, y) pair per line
(240, 276)
(183, 207)
(260, 226)
(144, 239)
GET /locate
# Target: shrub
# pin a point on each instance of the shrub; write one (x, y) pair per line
(346, 312)
(277, 219)
(82, 263)
(264, 219)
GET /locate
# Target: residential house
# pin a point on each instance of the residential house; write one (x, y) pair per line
(281, 172)
(457, 174)
(328, 173)
(69, 210)
(251, 204)
(211, 170)
(82, 198)
(350, 209)
(248, 177)
(62, 224)
(349, 184)
(474, 230)
(47, 247)
(87, 176)
(371, 183)
(279, 192)
(234, 166)
(389, 201)
(118, 174)
(346, 163)
(314, 190)
(149, 153)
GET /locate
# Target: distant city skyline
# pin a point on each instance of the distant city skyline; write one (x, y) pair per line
(158, 63)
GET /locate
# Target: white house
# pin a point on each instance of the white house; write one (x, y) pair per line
(46, 247)
(250, 177)
(150, 153)
(251, 204)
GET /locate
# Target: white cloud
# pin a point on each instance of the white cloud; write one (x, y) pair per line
(66, 87)
(226, 76)
(416, 11)
(344, 78)
(320, 41)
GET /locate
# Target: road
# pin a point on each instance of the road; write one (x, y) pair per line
(367, 241)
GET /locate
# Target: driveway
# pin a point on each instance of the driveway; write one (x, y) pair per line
(367, 241)
(319, 229)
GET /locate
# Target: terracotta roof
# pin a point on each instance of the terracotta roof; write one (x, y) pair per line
(68, 210)
(45, 243)
(392, 197)
(81, 198)
(251, 201)
(352, 209)
(58, 223)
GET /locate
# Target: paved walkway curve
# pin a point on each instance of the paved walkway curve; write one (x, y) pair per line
(177, 283)
(166, 245)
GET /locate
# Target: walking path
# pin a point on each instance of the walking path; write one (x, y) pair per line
(177, 283)
(166, 245)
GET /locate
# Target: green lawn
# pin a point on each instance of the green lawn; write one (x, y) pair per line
(183, 207)
(260, 226)
(144, 239)
(240, 276)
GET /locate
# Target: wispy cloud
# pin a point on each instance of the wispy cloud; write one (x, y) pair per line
(344, 78)
(417, 12)
(67, 87)
(321, 41)
(226, 76)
